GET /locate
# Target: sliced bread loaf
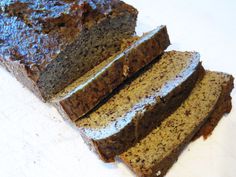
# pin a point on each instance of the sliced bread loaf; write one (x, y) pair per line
(141, 104)
(49, 44)
(85, 93)
(155, 154)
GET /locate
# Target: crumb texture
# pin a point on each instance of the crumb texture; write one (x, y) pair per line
(141, 104)
(147, 157)
(146, 90)
(87, 91)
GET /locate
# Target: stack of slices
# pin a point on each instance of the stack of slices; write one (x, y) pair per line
(128, 97)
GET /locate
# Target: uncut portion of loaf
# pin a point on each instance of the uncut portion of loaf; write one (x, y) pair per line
(155, 154)
(85, 93)
(49, 44)
(141, 104)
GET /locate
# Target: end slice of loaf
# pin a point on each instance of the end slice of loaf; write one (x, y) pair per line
(85, 93)
(141, 104)
(49, 48)
(156, 153)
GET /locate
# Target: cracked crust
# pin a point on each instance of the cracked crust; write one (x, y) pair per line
(47, 45)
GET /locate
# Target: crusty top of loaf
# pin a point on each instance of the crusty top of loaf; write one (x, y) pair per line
(127, 46)
(34, 32)
(48, 15)
(148, 89)
(163, 140)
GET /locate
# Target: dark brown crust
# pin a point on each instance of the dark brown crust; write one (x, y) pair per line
(63, 20)
(115, 145)
(27, 59)
(19, 71)
(219, 110)
(84, 100)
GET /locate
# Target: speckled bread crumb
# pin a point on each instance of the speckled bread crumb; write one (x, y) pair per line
(141, 104)
(84, 94)
(160, 149)
(207, 129)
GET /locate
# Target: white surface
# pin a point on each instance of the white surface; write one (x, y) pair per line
(36, 142)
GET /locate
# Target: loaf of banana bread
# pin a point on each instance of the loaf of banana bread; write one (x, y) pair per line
(85, 93)
(47, 45)
(156, 153)
(140, 105)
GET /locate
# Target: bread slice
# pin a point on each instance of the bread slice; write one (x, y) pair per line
(49, 44)
(141, 104)
(155, 154)
(85, 93)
